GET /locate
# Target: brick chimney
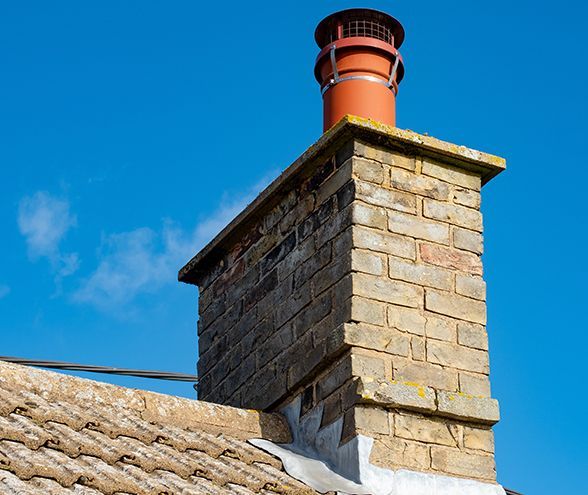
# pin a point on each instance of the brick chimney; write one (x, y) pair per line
(354, 283)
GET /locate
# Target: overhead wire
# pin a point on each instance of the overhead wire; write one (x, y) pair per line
(61, 365)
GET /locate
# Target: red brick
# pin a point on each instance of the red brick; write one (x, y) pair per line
(451, 258)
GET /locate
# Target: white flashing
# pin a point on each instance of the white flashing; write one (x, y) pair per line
(316, 458)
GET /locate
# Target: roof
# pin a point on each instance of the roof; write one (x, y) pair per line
(66, 435)
(488, 166)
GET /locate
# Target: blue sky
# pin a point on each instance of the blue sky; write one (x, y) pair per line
(132, 131)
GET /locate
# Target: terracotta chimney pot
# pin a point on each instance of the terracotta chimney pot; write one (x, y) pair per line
(359, 66)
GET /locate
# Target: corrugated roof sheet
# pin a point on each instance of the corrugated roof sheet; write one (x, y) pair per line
(66, 435)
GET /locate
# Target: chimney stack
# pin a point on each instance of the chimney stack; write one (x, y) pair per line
(359, 66)
(349, 293)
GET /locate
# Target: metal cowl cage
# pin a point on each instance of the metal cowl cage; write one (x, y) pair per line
(359, 23)
(359, 66)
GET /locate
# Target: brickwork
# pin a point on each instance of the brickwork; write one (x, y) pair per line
(266, 314)
(358, 286)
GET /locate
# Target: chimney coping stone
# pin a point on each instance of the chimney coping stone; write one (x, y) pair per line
(349, 127)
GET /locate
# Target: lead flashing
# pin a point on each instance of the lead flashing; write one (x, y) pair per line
(317, 457)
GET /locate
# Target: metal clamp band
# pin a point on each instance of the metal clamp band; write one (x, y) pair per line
(374, 79)
(393, 73)
(338, 79)
(334, 64)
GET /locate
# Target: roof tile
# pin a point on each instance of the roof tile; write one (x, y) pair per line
(61, 435)
(21, 429)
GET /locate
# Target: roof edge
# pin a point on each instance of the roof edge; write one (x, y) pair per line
(150, 406)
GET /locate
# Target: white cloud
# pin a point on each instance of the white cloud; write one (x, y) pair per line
(131, 263)
(144, 260)
(4, 291)
(44, 221)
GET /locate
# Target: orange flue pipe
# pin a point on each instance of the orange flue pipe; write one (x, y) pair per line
(359, 66)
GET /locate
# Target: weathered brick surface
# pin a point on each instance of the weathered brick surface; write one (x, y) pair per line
(419, 274)
(460, 261)
(387, 157)
(455, 306)
(368, 262)
(457, 356)
(418, 227)
(405, 395)
(468, 240)
(368, 311)
(474, 384)
(372, 419)
(478, 409)
(467, 197)
(396, 453)
(387, 290)
(419, 184)
(472, 335)
(406, 320)
(478, 439)
(432, 375)
(418, 350)
(369, 216)
(387, 198)
(271, 298)
(423, 429)
(423, 442)
(452, 175)
(461, 463)
(338, 374)
(368, 170)
(440, 328)
(387, 340)
(368, 366)
(473, 287)
(333, 184)
(361, 290)
(380, 242)
(461, 216)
